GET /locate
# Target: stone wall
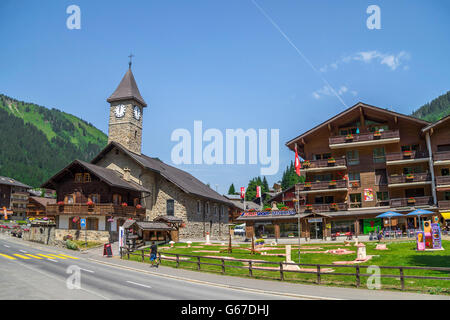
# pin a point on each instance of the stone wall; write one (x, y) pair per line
(41, 234)
(92, 235)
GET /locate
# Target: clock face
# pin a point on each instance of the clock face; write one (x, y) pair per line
(119, 111)
(137, 112)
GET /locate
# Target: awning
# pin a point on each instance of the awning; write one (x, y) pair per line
(446, 215)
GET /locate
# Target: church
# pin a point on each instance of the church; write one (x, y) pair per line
(122, 183)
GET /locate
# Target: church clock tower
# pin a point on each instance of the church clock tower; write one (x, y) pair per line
(125, 115)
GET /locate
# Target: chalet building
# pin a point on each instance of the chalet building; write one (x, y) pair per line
(14, 198)
(359, 164)
(238, 206)
(121, 173)
(37, 208)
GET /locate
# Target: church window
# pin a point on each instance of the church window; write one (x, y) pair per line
(170, 207)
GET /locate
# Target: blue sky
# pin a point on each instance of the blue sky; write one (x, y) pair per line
(224, 63)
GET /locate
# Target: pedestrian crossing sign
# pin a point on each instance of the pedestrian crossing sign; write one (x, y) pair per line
(83, 223)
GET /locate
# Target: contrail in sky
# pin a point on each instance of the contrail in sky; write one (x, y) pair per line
(300, 53)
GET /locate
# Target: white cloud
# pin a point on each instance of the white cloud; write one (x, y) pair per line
(393, 61)
(327, 91)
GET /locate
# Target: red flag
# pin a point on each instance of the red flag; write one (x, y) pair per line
(258, 191)
(242, 192)
(298, 165)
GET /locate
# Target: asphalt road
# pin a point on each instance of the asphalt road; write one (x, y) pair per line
(33, 273)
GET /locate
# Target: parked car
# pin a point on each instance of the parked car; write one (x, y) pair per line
(239, 230)
(16, 232)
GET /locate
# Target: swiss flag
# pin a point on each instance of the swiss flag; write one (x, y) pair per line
(242, 192)
(258, 191)
(298, 165)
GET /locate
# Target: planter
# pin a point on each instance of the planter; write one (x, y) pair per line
(377, 135)
(355, 184)
(307, 185)
(349, 137)
(410, 177)
(332, 184)
(306, 164)
(308, 208)
(407, 154)
(411, 201)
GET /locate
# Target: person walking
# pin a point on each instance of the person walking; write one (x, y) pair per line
(153, 254)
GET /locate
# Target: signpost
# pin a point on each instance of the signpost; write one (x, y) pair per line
(83, 225)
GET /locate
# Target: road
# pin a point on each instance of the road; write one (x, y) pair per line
(32, 273)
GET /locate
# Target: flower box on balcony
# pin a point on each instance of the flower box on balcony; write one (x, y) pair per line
(407, 154)
(90, 203)
(349, 137)
(307, 185)
(332, 183)
(411, 200)
(124, 204)
(284, 208)
(409, 177)
(377, 134)
(334, 207)
(355, 184)
(138, 206)
(306, 164)
(308, 207)
(60, 203)
(331, 161)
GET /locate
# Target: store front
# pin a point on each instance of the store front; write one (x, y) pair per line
(315, 228)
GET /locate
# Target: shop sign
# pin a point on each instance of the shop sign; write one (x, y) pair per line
(368, 194)
(268, 213)
(313, 220)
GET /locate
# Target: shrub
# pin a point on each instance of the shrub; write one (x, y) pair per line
(71, 245)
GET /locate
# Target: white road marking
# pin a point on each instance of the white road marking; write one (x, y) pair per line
(52, 260)
(23, 251)
(87, 270)
(7, 246)
(138, 284)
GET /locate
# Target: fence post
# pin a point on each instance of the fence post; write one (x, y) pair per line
(159, 257)
(358, 279)
(402, 279)
(142, 252)
(250, 270)
(223, 266)
(198, 262)
(178, 260)
(121, 254)
(281, 272)
(318, 274)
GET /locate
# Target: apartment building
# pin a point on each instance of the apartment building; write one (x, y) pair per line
(13, 197)
(358, 164)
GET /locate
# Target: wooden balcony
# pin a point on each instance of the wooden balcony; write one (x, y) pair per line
(444, 204)
(364, 139)
(407, 202)
(406, 158)
(323, 207)
(324, 165)
(442, 157)
(404, 180)
(102, 209)
(322, 186)
(443, 180)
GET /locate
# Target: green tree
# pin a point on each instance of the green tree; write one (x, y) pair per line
(232, 190)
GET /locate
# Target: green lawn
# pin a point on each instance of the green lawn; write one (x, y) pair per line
(399, 254)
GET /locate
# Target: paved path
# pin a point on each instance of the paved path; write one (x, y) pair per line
(112, 278)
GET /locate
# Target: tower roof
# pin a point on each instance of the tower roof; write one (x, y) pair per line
(127, 89)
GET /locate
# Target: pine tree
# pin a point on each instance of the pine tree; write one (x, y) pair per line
(232, 190)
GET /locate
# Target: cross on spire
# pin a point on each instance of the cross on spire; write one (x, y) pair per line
(129, 63)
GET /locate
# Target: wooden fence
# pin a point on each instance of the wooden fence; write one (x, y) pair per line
(358, 273)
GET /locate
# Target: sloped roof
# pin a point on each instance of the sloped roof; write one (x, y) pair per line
(437, 123)
(147, 225)
(13, 182)
(108, 176)
(127, 89)
(345, 112)
(44, 201)
(180, 178)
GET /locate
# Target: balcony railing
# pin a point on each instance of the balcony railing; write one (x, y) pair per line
(441, 155)
(96, 209)
(321, 185)
(408, 202)
(406, 155)
(363, 137)
(415, 177)
(323, 207)
(313, 164)
(444, 204)
(442, 180)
